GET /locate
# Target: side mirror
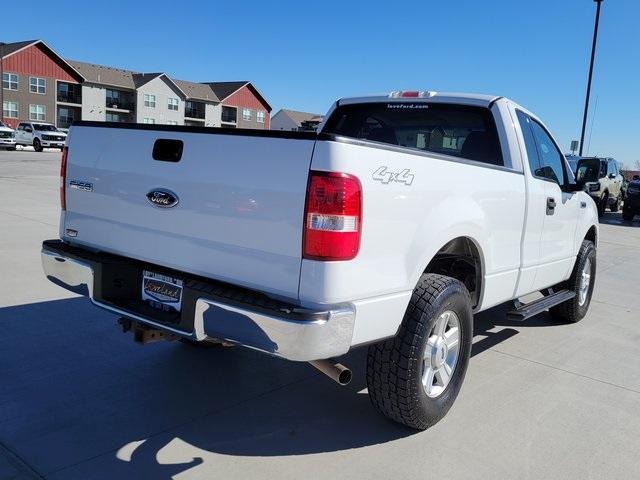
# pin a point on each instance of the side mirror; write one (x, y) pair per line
(612, 175)
(28, 129)
(573, 187)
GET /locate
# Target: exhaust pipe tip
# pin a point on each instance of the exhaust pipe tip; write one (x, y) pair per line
(334, 370)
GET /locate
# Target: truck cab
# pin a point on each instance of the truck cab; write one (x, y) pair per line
(40, 135)
(7, 137)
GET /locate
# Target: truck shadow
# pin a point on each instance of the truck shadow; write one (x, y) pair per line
(75, 389)
(615, 218)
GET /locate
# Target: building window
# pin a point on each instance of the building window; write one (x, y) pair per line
(10, 81)
(113, 117)
(10, 109)
(172, 103)
(149, 100)
(148, 120)
(260, 117)
(37, 112)
(171, 122)
(246, 114)
(37, 85)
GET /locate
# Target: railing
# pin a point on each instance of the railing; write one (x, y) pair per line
(70, 97)
(229, 115)
(194, 112)
(119, 103)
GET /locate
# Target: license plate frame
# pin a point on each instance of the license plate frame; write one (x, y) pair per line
(162, 291)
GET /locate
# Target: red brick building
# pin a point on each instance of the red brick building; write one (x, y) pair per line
(243, 106)
(37, 84)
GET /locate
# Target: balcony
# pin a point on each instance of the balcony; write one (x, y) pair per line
(69, 93)
(119, 103)
(194, 110)
(229, 114)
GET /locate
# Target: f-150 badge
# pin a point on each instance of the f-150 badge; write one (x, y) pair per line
(383, 175)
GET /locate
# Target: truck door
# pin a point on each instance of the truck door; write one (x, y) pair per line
(561, 209)
(615, 178)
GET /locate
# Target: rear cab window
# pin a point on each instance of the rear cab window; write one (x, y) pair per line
(462, 131)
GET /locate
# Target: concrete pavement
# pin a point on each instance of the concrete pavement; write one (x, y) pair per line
(80, 400)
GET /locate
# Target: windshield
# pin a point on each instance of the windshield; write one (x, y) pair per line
(588, 170)
(43, 127)
(456, 130)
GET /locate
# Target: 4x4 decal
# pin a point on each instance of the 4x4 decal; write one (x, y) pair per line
(383, 175)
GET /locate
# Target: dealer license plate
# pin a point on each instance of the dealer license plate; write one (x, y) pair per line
(162, 291)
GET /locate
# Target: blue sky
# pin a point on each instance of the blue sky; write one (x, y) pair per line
(304, 55)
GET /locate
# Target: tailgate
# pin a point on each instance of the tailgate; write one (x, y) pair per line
(240, 201)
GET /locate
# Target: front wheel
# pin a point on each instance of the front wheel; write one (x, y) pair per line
(582, 281)
(415, 377)
(37, 146)
(616, 205)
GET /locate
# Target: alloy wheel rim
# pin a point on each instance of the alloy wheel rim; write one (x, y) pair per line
(441, 354)
(585, 282)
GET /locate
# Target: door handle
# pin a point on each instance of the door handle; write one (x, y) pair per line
(551, 205)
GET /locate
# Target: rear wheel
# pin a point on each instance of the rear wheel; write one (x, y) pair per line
(582, 281)
(37, 146)
(415, 377)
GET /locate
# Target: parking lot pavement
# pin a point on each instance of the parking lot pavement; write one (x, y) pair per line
(80, 400)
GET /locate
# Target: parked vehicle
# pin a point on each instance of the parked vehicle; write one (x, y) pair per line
(7, 137)
(631, 206)
(390, 228)
(603, 181)
(39, 135)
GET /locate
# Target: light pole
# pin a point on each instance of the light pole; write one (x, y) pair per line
(593, 56)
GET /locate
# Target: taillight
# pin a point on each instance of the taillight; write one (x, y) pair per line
(63, 178)
(332, 216)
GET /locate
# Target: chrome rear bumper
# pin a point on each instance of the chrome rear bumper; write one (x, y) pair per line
(300, 334)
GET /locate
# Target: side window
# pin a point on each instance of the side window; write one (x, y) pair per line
(529, 142)
(551, 160)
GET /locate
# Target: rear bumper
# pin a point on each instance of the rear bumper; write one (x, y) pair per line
(237, 316)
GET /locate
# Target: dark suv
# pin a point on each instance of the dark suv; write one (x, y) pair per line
(632, 200)
(603, 181)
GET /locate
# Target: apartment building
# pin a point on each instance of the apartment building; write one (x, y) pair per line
(242, 105)
(88, 91)
(37, 84)
(296, 121)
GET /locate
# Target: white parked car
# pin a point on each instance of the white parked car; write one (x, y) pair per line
(7, 137)
(404, 216)
(39, 135)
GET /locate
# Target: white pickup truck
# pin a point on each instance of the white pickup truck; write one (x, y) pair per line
(405, 215)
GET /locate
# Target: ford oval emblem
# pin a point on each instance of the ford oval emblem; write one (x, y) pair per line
(162, 198)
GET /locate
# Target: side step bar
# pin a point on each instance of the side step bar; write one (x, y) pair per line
(527, 310)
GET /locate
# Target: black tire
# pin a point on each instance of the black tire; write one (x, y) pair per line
(572, 311)
(602, 204)
(37, 146)
(395, 366)
(627, 214)
(616, 205)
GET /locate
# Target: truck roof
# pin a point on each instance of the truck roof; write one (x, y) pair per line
(417, 96)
